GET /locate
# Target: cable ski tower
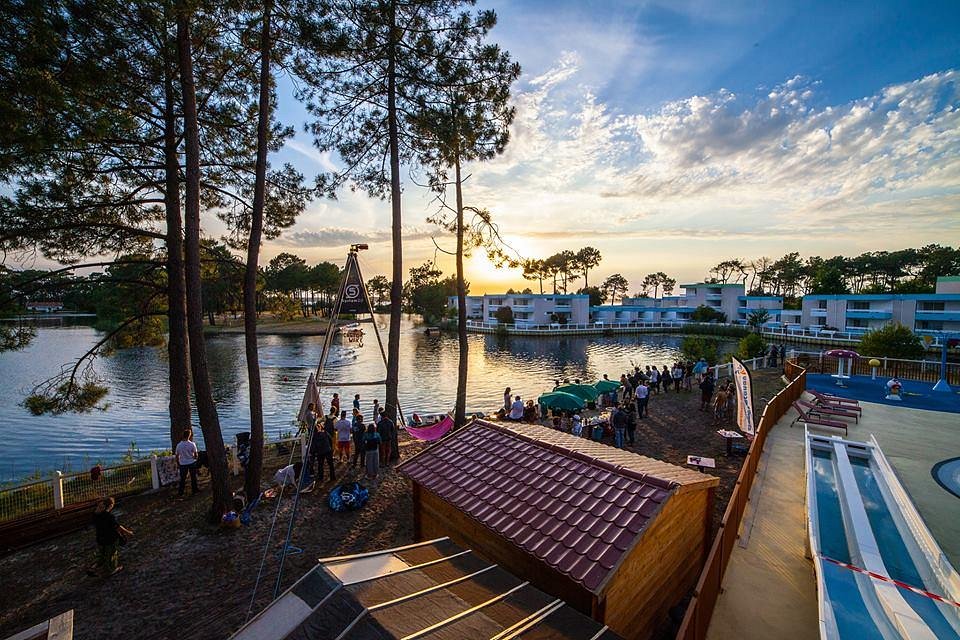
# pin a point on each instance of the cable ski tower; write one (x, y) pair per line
(353, 299)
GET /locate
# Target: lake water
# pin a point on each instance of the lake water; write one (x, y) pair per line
(138, 396)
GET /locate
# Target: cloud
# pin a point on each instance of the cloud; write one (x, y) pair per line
(725, 164)
(340, 237)
(322, 158)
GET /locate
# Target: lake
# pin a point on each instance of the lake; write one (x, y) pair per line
(137, 379)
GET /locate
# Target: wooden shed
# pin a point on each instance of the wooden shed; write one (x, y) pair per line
(619, 536)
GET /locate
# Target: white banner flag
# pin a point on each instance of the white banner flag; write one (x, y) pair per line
(741, 377)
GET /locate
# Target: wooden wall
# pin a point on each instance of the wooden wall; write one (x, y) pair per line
(437, 518)
(661, 569)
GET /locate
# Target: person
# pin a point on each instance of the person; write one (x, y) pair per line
(619, 419)
(529, 412)
(187, 456)
(329, 421)
(706, 391)
(688, 376)
(720, 403)
(371, 447)
(516, 410)
(731, 409)
(700, 369)
(385, 428)
(376, 411)
(643, 396)
(783, 353)
(359, 432)
(665, 379)
(577, 428)
(506, 400)
(321, 449)
(631, 424)
(110, 534)
(356, 401)
(335, 404)
(773, 355)
(343, 427)
(654, 380)
(287, 476)
(677, 375)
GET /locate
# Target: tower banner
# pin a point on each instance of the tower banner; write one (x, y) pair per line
(741, 377)
(354, 293)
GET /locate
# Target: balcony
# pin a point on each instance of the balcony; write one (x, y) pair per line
(868, 315)
(939, 316)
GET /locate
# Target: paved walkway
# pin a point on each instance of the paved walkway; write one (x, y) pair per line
(769, 590)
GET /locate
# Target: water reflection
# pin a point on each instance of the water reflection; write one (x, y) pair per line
(138, 395)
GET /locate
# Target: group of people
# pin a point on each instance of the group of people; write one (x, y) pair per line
(516, 410)
(353, 440)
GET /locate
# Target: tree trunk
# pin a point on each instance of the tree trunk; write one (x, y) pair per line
(207, 410)
(251, 482)
(396, 289)
(178, 360)
(460, 413)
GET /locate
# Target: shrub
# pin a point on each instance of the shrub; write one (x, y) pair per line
(696, 347)
(751, 346)
(892, 341)
(504, 315)
(704, 313)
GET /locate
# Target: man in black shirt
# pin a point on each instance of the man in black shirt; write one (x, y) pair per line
(386, 429)
(110, 533)
(321, 450)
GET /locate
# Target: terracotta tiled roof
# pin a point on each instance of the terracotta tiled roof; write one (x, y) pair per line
(577, 513)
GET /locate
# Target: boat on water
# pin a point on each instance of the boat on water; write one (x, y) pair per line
(349, 334)
(880, 573)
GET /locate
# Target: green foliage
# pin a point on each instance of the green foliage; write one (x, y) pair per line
(696, 347)
(426, 293)
(892, 341)
(705, 313)
(615, 285)
(597, 295)
(751, 346)
(758, 317)
(75, 397)
(655, 281)
(504, 315)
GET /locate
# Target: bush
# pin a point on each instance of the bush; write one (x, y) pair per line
(751, 346)
(704, 313)
(696, 347)
(892, 341)
(504, 315)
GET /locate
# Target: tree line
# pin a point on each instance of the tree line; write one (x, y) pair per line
(126, 125)
(790, 276)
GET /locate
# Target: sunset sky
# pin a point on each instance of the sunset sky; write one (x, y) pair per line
(672, 135)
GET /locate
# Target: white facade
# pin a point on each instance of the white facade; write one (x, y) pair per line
(529, 308)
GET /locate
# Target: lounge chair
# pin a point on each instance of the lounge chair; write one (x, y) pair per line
(848, 404)
(829, 412)
(807, 419)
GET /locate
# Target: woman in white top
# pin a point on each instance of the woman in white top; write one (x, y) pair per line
(516, 409)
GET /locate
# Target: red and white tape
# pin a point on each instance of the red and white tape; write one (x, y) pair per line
(902, 585)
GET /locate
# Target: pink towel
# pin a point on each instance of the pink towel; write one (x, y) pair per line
(433, 432)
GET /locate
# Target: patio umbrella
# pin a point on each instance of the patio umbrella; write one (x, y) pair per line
(586, 391)
(310, 394)
(561, 400)
(841, 355)
(606, 386)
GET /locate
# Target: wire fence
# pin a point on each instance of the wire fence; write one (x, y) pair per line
(697, 617)
(26, 500)
(114, 481)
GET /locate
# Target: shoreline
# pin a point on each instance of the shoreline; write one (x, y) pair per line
(316, 327)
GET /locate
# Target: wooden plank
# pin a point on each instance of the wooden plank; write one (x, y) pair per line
(660, 570)
(36, 632)
(61, 627)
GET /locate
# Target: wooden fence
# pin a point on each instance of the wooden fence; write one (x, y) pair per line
(699, 611)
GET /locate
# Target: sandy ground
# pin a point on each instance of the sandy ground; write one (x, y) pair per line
(184, 579)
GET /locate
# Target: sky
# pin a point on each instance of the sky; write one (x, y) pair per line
(673, 135)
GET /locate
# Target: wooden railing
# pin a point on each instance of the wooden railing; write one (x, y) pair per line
(705, 594)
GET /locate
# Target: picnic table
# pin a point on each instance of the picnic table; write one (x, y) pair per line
(729, 436)
(700, 462)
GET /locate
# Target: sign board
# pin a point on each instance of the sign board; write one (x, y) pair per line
(168, 470)
(354, 293)
(741, 377)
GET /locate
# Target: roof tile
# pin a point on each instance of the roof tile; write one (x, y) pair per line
(578, 507)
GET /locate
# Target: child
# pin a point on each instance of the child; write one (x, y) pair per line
(720, 403)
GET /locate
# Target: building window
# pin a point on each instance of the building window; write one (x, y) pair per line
(931, 306)
(521, 302)
(496, 301)
(821, 304)
(858, 305)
